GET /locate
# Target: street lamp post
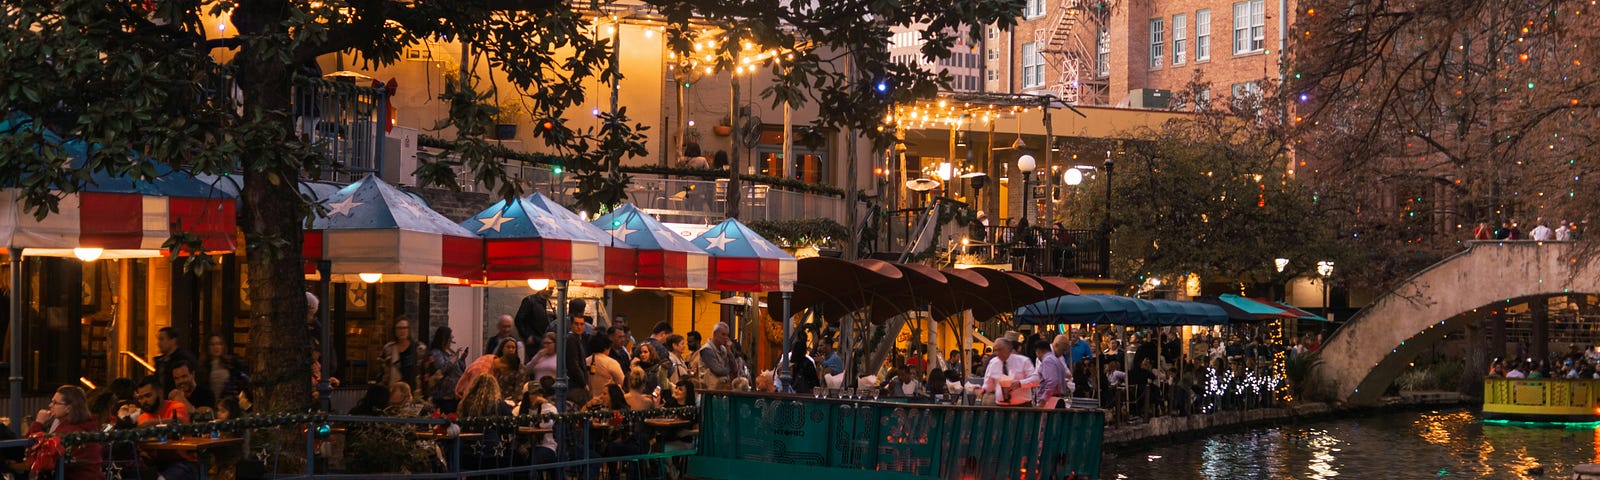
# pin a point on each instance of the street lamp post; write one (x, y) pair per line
(1026, 164)
(1325, 269)
(1105, 225)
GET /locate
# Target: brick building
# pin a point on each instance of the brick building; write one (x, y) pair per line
(1136, 53)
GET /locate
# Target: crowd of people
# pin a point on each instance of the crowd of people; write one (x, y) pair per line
(1574, 364)
(1564, 231)
(1150, 376)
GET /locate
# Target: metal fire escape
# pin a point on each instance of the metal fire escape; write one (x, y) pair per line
(1066, 51)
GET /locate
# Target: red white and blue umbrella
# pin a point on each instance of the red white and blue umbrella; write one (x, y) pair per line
(376, 231)
(619, 258)
(665, 260)
(522, 241)
(117, 216)
(743, 261)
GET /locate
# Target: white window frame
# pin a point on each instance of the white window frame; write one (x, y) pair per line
(1202, 35)
(1180, 36)
(1102, 58)
(991, 75)
(994, 53)
(1158, 42)
(1032, 66)
(1033, 9)
(1249, 26)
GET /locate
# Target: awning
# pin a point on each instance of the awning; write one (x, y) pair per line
(375, 229)
(121, 216)
(1241, 309)
(742, 261)
(619, 258)
(523, 242)
(1292, 310)
(665, 260)
(1119, 310)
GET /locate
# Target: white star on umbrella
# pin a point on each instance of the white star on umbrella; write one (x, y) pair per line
(413, 207)
(494, 222)
(343, 207)
(622, 232)
(719, 242)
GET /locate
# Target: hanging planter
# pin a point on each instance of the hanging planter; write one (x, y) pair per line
(724, 128)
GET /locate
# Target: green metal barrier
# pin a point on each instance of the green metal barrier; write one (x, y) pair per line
(743, 435)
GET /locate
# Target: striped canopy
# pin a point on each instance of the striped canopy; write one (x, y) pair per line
(742, 261)
(522, 241)
(124, 216)
(371, 227)
(665, 260)
(618, 258)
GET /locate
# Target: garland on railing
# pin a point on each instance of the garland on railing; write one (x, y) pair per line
(824, 232)
(701, 173)
(268, 421)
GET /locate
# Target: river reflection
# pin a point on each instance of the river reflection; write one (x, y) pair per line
(1400, 445)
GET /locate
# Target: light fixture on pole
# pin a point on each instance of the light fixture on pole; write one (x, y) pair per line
(1325, 269)
(1280, 263)
(1073, 176)
(538, 284)
(1026, 164)
(370, 277)
(625, 288)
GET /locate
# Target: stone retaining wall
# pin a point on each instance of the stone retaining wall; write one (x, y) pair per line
(1168, 427)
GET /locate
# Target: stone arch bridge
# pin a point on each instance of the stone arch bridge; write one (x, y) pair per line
(1360, 360)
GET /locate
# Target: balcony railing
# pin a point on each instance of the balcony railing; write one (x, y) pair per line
(1074, 253)
(681, 200)
(348, 122)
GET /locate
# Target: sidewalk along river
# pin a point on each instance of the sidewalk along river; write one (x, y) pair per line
(1393, 445)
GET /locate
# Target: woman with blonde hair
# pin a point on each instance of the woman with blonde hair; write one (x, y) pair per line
(483, 400)
(636, 396)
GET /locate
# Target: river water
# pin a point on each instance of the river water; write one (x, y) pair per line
(1395, 445)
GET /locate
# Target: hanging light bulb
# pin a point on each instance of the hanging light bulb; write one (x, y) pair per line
(538, 284)
(88, 254)
(625, 288)
(370, 277)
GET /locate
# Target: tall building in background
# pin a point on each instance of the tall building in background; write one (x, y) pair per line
(965, 64)
(1136, 53)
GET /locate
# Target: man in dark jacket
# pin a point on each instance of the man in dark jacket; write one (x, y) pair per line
(533, 316)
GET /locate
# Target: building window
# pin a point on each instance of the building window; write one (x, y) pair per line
(1032, 66)
(1249, 26)
(1034, 9)
(994, 32)
(1158, 42)
(1246, 96)
(1202, 99)
(1102, 57)
(1180, 36)
(1202, 35)
(991, 76)
(994, 53)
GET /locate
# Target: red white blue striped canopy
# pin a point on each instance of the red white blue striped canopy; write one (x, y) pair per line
(371, 227)
(522, 241)
(619, 258)
(743, 261)
(665, 260)
(123, 216)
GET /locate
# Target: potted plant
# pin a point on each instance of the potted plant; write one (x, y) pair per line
(507, 119)
(724, 127)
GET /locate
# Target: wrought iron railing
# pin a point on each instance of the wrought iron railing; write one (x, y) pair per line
(448, 448)
(348, 122)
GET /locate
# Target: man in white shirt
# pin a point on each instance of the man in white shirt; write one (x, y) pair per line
(1541, 233)
(1009, 377)
(1563, 231)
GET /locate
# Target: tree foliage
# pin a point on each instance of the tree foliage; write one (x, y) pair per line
(1419, 119)
(141, 76)
(1209, 194)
